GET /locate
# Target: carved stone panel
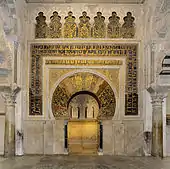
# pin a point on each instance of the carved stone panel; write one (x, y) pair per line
(41, 26)
(84, 28)
(128, 28)
(55, 26)
(70, 27)
(113, 28)
(99, 27)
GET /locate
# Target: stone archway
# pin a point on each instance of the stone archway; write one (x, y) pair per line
(79, 82)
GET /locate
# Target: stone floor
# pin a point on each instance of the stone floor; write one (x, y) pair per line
(84, 162)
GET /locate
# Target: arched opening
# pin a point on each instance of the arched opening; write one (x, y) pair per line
(165, 66)
(83, 85)
(83, 105)
(83, 100)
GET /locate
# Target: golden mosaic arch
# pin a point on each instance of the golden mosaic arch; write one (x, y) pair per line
(83, 81)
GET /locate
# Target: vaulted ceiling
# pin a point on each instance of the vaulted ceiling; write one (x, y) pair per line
(88, 1)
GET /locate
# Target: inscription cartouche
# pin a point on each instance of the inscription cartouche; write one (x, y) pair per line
(70, 27)
(84, 28)
(84, 62)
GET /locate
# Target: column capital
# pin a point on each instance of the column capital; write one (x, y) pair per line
(157, 98)
(153, 46)
(9, 95)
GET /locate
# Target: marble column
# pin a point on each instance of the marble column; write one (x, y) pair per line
(157, 125)
(9, 94)
(9, 141)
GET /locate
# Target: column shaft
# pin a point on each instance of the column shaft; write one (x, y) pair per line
(9, 141)
(157, 126)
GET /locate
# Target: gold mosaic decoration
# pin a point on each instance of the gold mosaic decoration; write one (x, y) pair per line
(59, 102)
(99, 28)
(70, 27)
(55, 26)
(84, 28)
(128, 28)
(38, 51)
(107, 99)
(84, 62)
(83, 81)
(113, 28)
(41, 26)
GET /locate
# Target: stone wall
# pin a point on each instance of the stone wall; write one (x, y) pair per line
(2, 131)
(119, 138)
(168, 140)
(2, 125)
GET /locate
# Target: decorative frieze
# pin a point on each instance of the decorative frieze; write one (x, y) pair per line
(84, 29)
(84, 50)
(84, 62)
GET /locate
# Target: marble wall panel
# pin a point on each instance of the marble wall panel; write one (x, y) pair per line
(48, 137)
(119, 138)
(2, 107)
(107, 137)
(2, 130)
(33, 137)
(168, 140)
(58, 132)
(133, 137)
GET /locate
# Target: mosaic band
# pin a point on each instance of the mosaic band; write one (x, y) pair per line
(84, 62)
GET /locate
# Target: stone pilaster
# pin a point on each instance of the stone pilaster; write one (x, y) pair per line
(157, 125)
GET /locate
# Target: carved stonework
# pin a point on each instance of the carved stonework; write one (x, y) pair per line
(39, 51)
(9, 95)
(41, 26)
(113, 28)
(84, 28)
(70, 27)
(128, 28)
(99, 28)
(157, 99)
(55, 26)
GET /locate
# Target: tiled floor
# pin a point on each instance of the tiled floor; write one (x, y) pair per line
(84, 162)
